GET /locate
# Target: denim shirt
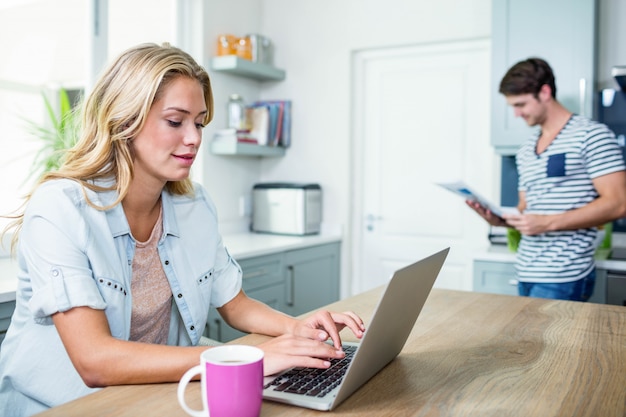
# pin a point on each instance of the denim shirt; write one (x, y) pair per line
(71, 254)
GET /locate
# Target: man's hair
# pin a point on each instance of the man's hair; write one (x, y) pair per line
(527, 77)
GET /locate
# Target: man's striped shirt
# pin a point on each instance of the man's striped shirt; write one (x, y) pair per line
(558, 180)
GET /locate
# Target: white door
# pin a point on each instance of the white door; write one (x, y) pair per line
(421, 116)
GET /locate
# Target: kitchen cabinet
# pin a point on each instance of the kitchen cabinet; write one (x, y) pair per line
(495, 277)
(263, 280)
(6, 311)
(294, 282)
(560, 31)
(312, 278)
(498, 277)
(232, 64)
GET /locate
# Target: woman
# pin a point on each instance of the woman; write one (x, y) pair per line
(119, 254)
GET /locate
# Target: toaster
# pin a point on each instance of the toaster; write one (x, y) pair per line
(286, 208)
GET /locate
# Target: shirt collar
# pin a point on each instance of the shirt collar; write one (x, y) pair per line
(117, 218)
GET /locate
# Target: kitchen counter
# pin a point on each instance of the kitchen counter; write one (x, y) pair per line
(248, 245)
(501, 253)
(240, 246)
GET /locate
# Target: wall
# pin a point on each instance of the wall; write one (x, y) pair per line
(316, 44)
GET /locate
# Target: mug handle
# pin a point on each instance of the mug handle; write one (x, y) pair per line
(196, 370)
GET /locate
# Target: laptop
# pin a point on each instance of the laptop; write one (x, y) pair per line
(384, 338)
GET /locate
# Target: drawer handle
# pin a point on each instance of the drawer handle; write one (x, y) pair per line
(218, 325)
(290, 286)
(254, 274)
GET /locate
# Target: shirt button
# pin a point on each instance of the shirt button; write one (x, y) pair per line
(192, 328)
(167, 262)
(180, 295)
(55, 273)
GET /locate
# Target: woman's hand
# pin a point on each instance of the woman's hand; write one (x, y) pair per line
(323, 325)
(306, 344)
(287, 351)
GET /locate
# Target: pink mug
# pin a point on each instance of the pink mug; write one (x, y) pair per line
(232, 382)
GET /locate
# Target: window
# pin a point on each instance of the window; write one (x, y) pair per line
(49, 49)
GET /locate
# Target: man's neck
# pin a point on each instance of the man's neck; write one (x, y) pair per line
(556, 117)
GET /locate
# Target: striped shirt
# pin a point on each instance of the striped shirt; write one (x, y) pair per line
(558, 180)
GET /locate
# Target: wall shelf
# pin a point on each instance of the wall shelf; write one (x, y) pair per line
(232, 64)
(245, 149)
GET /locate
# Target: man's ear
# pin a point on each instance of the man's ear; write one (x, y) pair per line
(545, 93)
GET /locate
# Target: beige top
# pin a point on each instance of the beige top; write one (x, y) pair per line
(151, 292)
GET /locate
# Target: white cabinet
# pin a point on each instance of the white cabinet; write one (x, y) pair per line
(560, 31)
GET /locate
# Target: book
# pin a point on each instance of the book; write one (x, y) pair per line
(259, 119)
(279, 125)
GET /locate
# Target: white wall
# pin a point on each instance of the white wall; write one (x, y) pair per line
(315, 45)
(314, 42)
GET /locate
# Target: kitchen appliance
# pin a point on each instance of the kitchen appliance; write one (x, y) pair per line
(611, 110)
(287, 208)
(619, 73)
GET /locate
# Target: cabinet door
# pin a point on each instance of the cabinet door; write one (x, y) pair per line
(312, 278)
(495, 277)
(600, 289)
(6, 311)
(560, 31)
(263, 280)
(218, 330)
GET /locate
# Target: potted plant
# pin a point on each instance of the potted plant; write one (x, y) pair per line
(57, 134)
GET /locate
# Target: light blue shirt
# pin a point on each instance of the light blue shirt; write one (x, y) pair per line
(71, 254)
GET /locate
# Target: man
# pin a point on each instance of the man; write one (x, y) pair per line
(572, 178)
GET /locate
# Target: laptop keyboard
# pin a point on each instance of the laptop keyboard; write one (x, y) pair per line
(314, 382)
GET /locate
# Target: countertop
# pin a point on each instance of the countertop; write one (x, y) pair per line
(501, 253)
(240, 246)
(469, 354)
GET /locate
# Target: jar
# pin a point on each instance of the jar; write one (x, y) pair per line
(244, 48)
(236, 112)
(226, 45)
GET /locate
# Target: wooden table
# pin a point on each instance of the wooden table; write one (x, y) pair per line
(470, 354)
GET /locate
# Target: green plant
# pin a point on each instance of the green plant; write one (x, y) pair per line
(58, 134)
(513, 237)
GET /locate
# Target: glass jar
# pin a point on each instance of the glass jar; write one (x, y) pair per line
(244, 48)
(226, 45)
(236, 112)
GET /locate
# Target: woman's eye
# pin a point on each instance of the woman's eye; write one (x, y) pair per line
(173, 123)
(199, 126)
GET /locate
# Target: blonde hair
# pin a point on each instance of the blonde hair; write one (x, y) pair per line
(114, 113)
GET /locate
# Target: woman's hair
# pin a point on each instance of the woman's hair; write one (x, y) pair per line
(527, 77)
(113, 115)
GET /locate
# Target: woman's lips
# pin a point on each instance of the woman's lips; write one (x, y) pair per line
(186, 159)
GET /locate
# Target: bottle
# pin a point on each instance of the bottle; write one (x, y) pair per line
(236, 111)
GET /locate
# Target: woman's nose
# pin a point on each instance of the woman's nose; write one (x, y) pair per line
(193, 136)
